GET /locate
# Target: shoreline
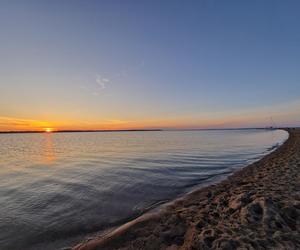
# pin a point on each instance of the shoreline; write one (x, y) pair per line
(120, 130)
(257, 206)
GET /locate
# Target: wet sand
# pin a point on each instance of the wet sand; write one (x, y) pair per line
(257, 207)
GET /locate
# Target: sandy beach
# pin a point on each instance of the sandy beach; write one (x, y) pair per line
(257, 207)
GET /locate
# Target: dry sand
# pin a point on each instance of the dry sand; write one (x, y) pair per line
(258, 207)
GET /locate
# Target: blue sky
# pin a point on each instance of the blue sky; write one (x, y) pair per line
(128, 64)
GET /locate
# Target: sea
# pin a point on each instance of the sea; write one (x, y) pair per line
(58, 189)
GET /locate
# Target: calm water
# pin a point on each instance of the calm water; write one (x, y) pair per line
(55, 189)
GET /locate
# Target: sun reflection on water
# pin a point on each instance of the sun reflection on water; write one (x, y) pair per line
(48, 154)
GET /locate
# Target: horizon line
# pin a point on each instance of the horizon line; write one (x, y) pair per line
(130, 130)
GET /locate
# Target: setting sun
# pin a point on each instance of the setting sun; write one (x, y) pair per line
(48, 130)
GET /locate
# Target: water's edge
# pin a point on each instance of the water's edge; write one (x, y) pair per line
(154, 209)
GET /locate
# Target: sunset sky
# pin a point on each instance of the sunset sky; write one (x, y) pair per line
(148, 64)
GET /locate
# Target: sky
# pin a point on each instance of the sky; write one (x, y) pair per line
(85, 64)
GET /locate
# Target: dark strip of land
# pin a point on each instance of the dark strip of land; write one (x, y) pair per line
(79, 131)
(126, 130)
(258, 207)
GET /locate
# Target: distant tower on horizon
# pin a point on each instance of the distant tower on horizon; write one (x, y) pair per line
(272, 123)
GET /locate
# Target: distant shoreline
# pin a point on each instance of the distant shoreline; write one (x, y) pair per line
(129, 130)
(76, 131)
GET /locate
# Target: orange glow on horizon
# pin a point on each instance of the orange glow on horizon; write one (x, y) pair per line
(252, 118)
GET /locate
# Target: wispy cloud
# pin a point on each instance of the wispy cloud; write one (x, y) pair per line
(102, 81)
(95, 86)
